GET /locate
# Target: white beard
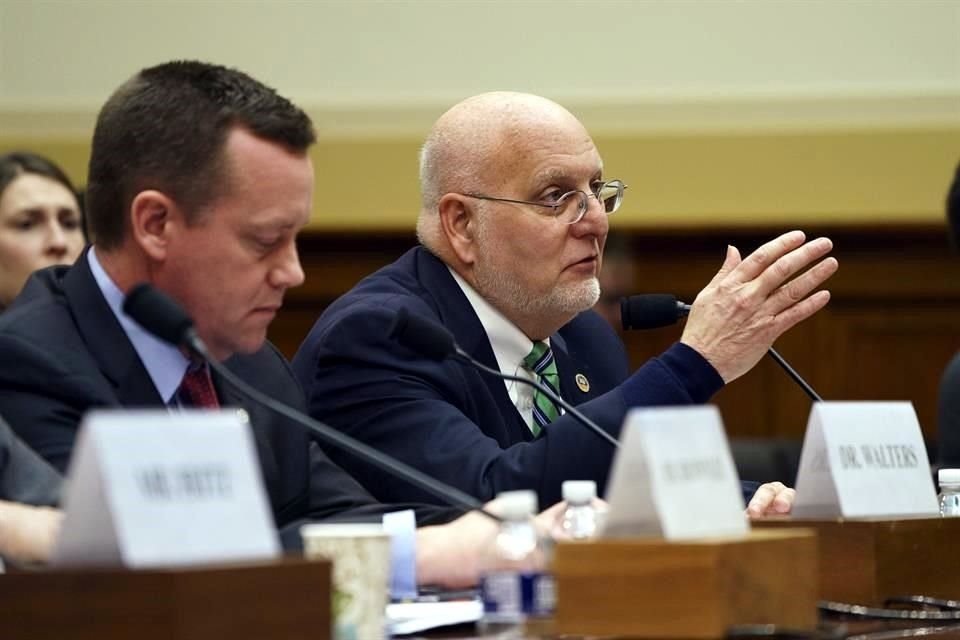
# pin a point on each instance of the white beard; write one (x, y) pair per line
(507, 293)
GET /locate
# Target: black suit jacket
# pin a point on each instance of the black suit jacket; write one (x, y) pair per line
(24, 477)
(948, 415)
(456, 423)
(64, 352)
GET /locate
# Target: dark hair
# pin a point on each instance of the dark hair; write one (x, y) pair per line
(165, 129)
(16, 163)
(953, 209)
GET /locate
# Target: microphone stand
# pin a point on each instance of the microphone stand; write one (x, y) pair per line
(683, 309)
(331, 436)
(556, 399)
(793, 374)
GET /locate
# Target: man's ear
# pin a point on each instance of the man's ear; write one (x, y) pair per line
(458, 219)
(151, 214)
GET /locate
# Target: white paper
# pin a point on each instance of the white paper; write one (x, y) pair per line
(413, 617)
(864, 459)
(674, 476)
(159, 488)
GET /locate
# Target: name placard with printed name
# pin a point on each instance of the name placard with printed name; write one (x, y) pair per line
(673, 476)
(864, 459)
(158, 488)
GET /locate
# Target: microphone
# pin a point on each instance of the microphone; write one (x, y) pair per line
(164, 318)
(160, 315)
(652, 311)
(437, 343)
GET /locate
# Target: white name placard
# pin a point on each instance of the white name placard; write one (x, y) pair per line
(673, 476)
(864, 459)
(158, 488)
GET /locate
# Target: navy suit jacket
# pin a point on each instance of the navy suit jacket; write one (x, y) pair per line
(458, 424)
(64, 352)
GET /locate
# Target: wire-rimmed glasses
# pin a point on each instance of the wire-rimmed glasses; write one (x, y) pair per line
(570, 207)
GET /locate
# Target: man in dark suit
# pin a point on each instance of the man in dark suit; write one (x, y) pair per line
(199, 183)
(512, 226)
(948, 403)
(29, 487)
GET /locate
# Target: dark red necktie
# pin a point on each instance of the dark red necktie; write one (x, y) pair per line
(196, 389)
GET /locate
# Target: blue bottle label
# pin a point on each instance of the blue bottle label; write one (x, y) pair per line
(508, 593)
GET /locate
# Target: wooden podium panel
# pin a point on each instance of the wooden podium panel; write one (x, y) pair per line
(286, 599)
(647, 587)
(865, 561)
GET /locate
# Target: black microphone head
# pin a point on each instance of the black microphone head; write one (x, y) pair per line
(650, 311)
(422, 335)
(156, 312)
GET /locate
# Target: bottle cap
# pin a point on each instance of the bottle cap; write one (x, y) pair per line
(948, 476)
(579, 491)
(516, 504)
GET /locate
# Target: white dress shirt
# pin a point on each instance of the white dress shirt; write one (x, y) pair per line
(510, 347)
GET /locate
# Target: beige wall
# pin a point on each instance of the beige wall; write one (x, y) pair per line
(779, 111)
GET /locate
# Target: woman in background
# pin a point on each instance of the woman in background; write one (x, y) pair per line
(40, 220)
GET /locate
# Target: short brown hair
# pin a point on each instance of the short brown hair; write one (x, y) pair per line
(165, 129)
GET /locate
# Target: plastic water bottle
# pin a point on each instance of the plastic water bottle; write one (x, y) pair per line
(514, 584)
(579, 521)
(949, 480)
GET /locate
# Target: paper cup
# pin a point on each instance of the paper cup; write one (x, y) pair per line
(361, 571)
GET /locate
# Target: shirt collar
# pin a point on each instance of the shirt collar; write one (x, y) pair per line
(164, 363)
(510, 345)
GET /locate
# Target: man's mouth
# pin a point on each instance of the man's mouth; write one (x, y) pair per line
(584, 262)
(267, 309)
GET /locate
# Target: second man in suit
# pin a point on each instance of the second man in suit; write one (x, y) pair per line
(512, 229)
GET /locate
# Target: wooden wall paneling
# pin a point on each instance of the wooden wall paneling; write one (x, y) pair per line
(895, 354)
(892, 324)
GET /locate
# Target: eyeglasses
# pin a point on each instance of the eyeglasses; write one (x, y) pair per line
(570, 207)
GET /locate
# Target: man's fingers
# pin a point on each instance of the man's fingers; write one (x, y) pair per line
(799, 312)
(790, 264)
(762, 498)
(758, 261)
(797, 289)
(783, 503)
(771, 498)
(730, 262)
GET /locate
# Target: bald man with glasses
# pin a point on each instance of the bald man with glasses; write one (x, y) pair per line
(512, 227)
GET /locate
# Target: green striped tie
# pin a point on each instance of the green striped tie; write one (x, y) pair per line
(540, 361)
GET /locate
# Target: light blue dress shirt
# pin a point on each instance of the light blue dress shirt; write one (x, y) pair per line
(164, 363)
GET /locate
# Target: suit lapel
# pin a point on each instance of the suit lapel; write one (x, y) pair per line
(569, 371)
(459, 317)
(115, 355)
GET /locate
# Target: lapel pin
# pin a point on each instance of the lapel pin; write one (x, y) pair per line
(582, 382)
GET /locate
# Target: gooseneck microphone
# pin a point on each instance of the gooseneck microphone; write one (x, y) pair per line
(651, 311)
(437, 343)
(655, 310)
(167, 320)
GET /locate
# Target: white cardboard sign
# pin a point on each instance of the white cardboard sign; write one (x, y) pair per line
(157, 488)
(674, 476)
(864, 459)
